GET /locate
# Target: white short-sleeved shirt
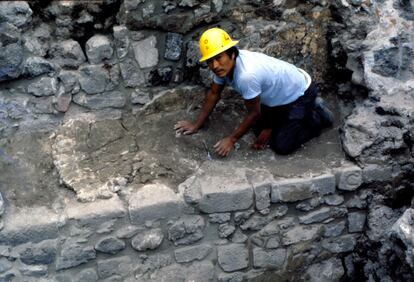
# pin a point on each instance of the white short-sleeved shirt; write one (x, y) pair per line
(276, 81)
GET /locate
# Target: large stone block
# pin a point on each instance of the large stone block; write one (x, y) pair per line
(229, 191)
(113, 99)
(153, 202)
(45, 86)
(261, 181)
(30, 225)
(187, 230)
(297, 189)
(233, 257)
(349, 178)
(99, 78)
(67, 53)
(191, 253)
(11, 61)
(96, 212)
(300, 234)
(73, 254)
(17, 13)
(269, 259)
(147, 239)
(146, 52)
(120, 267)
(173, 46)
(340, 244)
(98, 49)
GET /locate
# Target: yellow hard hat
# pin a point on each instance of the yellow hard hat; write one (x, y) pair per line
(214, 41)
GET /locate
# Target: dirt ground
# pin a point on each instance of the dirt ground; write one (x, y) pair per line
(28, 176)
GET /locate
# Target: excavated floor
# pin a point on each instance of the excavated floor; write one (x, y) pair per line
(149, 148)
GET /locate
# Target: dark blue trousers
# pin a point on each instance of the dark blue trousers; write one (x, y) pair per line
(292, 124)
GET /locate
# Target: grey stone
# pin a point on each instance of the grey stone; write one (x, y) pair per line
(376, 173)
(191, 253)
(272, 242)
(160, 76)
(197, 271)
(154, 201)
(334, 229)
(70, 81)
(327, 271)
(63, 100)
(349, 178)
(187, 230)
(403, 230)
(380, 220)
(110, 245)
(262, 183)
(218, 195)
(9, 34)
(67, 53)
(146, 52)
(342, 244)
(120, 267)
(309, 204)
(300, 234)
(173, 46)
(8, 277)
(34, 270)
(147, 240)
(35, 66)
(87, 275)
(316, 216)
(292, 190)
(233, 257)
(126, 232)
(131, 73)
(140, 96)
(192, 54)
(278, 211)
(1, 205)
(121, 41)
(17, 13)
(239, 237)
(232, 277)
(269, 259)
(256, 222)
(242, 216)
(356, 202)
(98, 49)
(225, 230)
(11, 61)
(92, 214)
(74, 254)
(113, 99)
(333, 200)
(219, 217)
(356, 221)
(42, 253)
(30, 225)
(387, 61)
(98, 78)
(5, 264)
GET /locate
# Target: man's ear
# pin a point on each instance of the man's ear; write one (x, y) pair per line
(233, 56)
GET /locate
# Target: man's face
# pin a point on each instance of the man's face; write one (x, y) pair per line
(221, 64)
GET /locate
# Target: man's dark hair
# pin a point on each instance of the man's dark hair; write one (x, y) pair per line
(231, 51)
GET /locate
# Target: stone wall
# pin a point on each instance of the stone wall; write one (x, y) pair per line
(62, 58)
(298, 228)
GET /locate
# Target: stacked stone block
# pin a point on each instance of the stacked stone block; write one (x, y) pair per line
(220, 230)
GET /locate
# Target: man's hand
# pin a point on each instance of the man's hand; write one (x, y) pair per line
(263, 139)
(185, 127)
(224, 146)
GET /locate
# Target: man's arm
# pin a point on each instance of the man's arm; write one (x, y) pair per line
(213, 95)
(224, 146)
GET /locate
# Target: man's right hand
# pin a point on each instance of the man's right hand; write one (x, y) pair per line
(185, 127)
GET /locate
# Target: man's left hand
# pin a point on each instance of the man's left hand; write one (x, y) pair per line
(224, 146)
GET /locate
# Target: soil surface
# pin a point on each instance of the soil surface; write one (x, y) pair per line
(28, 176)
